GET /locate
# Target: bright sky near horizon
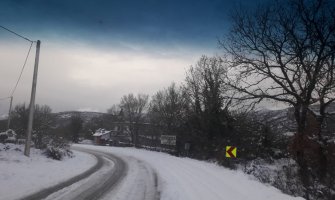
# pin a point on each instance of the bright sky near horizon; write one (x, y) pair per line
(94, 52)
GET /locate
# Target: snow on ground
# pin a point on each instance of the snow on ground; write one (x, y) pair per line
(139, 183)
(86, 142)
(20, 175)
(189, 179)
(75, 190)
(281, 172)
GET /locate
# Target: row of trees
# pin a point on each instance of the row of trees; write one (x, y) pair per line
(283, 52)
(42, 122)
(45, 128)
(202, 111)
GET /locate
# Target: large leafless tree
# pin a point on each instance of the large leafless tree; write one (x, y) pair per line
(285, 52)
(208, 94)
(133, 108)
(168, 107)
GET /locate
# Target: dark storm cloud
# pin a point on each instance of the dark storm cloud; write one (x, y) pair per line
(93, 52)
(190, 22)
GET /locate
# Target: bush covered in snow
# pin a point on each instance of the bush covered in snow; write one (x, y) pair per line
(284, 175)
(57, 153)
(8, 136)
(57, 149)
(281, 173)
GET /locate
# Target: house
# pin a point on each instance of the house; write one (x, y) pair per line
(119, 136)
(101, 136)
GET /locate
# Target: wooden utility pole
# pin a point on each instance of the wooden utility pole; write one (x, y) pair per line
(9, 112)
(32, 102)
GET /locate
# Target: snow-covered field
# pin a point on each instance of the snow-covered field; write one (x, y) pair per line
(20, 175)
(188, 179)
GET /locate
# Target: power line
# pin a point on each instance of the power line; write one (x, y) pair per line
(25, 61)
(24, 64)
(15, 33)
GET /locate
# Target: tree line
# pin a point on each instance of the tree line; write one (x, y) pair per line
(282, 52)
(45, 131)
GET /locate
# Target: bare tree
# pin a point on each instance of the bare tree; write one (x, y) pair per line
(208, 94)
(43, 120)
(133, 109)
(19, 119)
(76, 125)
(285, 52)
(168, 107)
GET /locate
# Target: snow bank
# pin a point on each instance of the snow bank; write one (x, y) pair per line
(189, 179)
(20, 175)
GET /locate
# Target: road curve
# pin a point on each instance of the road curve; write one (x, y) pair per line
(46, 192)
(106, 183)
(108, 178)
(118, 171)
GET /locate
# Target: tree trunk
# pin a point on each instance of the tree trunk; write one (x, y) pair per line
(323, 161)
(301, 118)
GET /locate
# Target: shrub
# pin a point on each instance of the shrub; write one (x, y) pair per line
(57, 149)
(57, 153)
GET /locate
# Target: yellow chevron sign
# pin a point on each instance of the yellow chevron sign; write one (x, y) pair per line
(231, 152)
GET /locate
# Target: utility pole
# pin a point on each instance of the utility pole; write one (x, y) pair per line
(32, 102)
(9, 112)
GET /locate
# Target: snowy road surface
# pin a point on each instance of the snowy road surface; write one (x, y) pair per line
(106, 182)
(135, 174)
(185, 179)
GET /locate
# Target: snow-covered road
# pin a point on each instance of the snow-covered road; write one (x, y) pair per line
(186, 179)
(108, 181)
(133, 174)
(90, 185)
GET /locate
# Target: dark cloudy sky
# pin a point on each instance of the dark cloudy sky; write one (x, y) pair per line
(93, 52)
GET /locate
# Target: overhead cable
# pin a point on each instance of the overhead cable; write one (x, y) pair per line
(24, 64)
(16, 34)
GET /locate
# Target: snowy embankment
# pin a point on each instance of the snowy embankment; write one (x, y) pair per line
(20, 175)
(189, 179)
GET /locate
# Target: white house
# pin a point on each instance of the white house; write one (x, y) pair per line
(101, 136)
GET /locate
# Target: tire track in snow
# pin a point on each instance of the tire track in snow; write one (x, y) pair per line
(106, 181)
(46, 192)
(118, 172)
(133, 180)
(141, 182)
